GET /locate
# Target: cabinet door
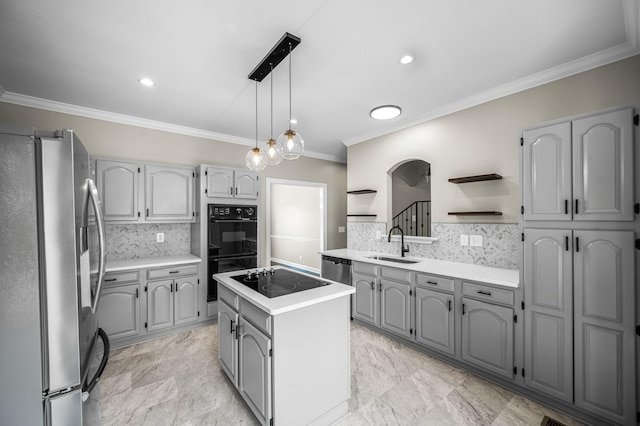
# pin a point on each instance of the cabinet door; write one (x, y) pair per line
(365, 299)
(605, 341)
(548, 319)
(547, 173)
(159, 305)
(119, 313)
(395, 307)
(434, 320)
(219, 183)
(168, 194)
(227, 341)
(254, 372)
(603, 166)
(246, 184)
(186, 300)
(117, 183)
(487, 336)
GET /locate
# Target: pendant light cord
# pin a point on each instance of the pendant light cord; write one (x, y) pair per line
(290, 86)
(271, 65)
(256, 113)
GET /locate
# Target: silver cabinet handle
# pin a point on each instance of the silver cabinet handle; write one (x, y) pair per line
(102, 242)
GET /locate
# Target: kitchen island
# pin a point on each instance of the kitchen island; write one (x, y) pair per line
(288, 355)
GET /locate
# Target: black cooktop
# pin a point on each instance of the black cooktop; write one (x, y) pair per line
(278, 282)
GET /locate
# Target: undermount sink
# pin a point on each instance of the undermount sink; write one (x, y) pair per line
(392, 259)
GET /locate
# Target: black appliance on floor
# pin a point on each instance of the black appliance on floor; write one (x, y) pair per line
(232, 241)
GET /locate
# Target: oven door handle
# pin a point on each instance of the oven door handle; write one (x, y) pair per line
(218, 259)
(234, 221)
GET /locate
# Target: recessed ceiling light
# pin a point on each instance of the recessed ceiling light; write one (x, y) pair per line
(385, 112)
(146, 81)
(406, 59)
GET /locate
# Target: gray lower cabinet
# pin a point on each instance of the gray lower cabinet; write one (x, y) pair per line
(227, 341)
(366, 298)
(172, 302)
(435, 320)
(487, 336)
(395, 307)
(254, 369)
(119, 313)
(548, 316)
(604, 324)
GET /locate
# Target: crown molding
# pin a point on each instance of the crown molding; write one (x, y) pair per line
(45, 104)
(604, 57)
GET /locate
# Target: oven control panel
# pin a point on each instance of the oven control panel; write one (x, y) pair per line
(232, 212)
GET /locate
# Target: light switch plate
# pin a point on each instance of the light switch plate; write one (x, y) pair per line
(160, 237)
(475, 240)
(464, 240)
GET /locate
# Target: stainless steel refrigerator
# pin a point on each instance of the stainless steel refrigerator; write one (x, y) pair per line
(49, 331)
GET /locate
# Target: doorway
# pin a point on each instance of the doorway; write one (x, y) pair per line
(296, 223)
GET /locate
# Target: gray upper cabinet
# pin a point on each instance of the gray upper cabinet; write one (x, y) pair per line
(603, 167)
(169, 194)
(605, 340)
(395, 307)
(487, 336)
(230, 183)
(434, 319)
(227, 341)
(580, 170)
(118, 186)
(549, 312)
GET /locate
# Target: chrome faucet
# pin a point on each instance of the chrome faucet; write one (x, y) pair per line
(403, 250)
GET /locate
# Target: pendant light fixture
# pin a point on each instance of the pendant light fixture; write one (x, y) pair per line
(290, 140)
(254, 159)
(271, 149)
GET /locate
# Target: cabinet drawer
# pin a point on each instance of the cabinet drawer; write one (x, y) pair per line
(228, 296)
(256, 316)
(172, 271)
(480, 291)
(365, 268)
(400, 275)
(121, 278)
(435, 282)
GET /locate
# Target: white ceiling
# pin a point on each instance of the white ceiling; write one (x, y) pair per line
(84, 57)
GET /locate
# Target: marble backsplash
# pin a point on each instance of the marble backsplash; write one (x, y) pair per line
(501, 243)
(139, 240)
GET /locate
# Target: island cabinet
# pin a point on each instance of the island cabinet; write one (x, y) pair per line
(141, 192)
(220, 182)
(119, 313)
(435, 303)
(383, 297)
(580, 170)
(172, 297)
(290, 367)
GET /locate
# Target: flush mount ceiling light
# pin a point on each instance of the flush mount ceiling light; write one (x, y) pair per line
(385, 112)
(289, 144)
(146, 81)
(406, 59)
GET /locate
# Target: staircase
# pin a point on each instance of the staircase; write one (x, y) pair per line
(415, 220)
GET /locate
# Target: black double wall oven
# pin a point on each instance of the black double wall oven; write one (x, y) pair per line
(233, 241)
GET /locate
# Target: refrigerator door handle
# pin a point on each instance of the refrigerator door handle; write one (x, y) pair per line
(103, 363)
(102, 260)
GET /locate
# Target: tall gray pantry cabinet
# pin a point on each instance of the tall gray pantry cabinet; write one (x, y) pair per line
(579, 256)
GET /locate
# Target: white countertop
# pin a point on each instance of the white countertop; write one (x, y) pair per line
(467, 271)
(288, 302)
(151, 262)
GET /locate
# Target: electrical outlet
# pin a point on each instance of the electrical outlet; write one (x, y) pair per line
(340, 229)
(475, 240)
(464, 240)
(160, 237)
(300, 257)
(378, 235)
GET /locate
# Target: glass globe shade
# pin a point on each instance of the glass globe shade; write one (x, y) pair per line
(271, 152)
(254, 160)
(292, 144)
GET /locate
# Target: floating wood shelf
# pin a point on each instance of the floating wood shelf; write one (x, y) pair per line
(364, 215)
(362, 191)
(478, 178)
(479, 213)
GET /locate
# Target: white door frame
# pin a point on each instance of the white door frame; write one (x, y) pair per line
(323, 231)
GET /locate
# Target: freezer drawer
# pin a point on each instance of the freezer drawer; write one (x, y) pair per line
(65, 409)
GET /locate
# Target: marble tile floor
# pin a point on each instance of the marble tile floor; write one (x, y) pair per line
(176, 380)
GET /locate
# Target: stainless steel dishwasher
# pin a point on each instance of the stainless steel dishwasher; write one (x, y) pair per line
(336, 269)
